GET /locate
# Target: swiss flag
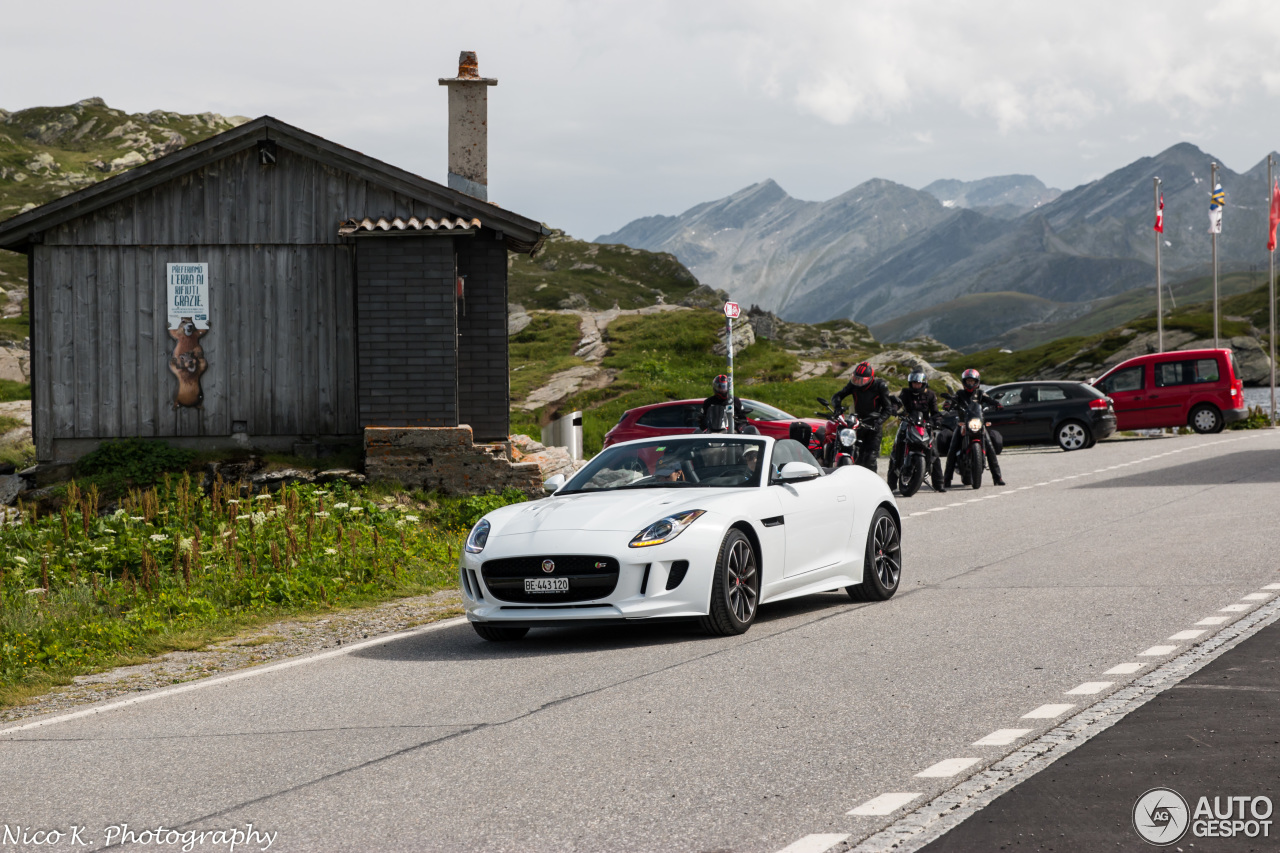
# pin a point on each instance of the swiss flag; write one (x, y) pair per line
(1275, 216)
(1160, 215)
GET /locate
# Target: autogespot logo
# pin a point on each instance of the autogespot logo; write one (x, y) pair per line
(1160, 816)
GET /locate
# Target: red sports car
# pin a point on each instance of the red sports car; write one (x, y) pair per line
(680, 417)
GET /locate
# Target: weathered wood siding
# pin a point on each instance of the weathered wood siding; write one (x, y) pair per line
(237, 201)
(280, 347)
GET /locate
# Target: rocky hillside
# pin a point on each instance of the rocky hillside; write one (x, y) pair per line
(1242, 327)
(575, 274)
(883, 251)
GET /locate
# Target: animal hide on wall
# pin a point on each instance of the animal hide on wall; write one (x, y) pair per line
(188, 363)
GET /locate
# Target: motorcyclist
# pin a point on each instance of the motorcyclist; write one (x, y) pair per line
(720, 398)
(972, 390)
(871, 405)
(917, 397)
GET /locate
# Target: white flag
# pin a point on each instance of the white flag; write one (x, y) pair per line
(1216, 202)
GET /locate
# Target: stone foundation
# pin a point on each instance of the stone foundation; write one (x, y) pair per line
(445, 459)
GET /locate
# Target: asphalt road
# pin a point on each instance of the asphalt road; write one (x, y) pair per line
(657, 738)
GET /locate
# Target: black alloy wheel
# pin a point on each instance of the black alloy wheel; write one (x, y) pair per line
(882, 565)
(735, 589)
(1073, 435)
(1205, 419)
(499, 633)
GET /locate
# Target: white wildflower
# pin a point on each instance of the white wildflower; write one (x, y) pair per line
(136, 518)
(263, 498)
(259, 517)
(355, 510)
(241, 517)
(100, 548)
(119, 514)
(411, 518)
(232, 502)
(158, 537)
(17, 559)
(185, 544)
(340, 505)
(36, 591)
(331, 551)
(322, 515)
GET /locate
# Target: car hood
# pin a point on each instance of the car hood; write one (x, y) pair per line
(624, 510)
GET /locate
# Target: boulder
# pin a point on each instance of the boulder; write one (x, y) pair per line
(128, 161)
(744, 335)
(10, 485)
(899, 363)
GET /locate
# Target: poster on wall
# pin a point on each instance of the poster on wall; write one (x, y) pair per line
(188, 323)
(188, 294)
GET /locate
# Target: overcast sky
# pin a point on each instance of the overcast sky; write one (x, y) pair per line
(609, 111)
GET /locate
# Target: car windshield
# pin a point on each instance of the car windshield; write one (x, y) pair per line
(711, 462)
(758, 411)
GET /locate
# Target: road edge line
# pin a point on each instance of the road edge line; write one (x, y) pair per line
(250, 672)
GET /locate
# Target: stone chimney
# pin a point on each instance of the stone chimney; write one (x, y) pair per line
(469, 128)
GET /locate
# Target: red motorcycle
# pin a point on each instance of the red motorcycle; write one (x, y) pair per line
(840, 441)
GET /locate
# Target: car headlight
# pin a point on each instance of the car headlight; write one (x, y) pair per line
(975, 424)
(847, 436)
(665, 529)
(479, 537)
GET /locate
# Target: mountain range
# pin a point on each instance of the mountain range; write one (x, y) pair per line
(1007, 250)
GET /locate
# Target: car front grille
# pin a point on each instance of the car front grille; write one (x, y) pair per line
(589, 578)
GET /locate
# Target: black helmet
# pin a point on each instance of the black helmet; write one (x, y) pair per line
(862, 375)
(720, 385)
(971, 379)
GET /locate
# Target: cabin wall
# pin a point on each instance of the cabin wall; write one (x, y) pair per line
(280, 347)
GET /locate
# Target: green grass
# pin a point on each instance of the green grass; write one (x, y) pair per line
(602, 275)
(7, 424)
(541, 349)
(81, 591)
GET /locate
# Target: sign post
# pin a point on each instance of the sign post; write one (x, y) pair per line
(731, 312)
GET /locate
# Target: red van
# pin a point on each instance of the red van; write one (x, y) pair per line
(1199, 388)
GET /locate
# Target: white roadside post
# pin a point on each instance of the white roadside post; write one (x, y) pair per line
(731, 312)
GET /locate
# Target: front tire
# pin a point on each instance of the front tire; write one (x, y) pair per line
(735, 588)
(975, 465)
(499, 633)
(882, 563)
(1205, 419)
(1073, 435)
(915, 476)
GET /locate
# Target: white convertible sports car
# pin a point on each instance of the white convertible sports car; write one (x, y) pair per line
(703, 527)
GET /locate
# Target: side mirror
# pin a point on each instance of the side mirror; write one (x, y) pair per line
(553, 485)
(796, 471)
(1092, 379)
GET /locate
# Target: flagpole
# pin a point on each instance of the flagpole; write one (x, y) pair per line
(1159, 293)
(1213, 183)
(1271, 298)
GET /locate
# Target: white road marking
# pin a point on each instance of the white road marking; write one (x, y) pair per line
(1124, 669)
(1256, 596)
(1235, 608)
(885, 804)
(1089, 688)
(1272, 586)
(815, 843)
(1045, 483)
(1156, 651)
(914, 514)
(1002, 737)
(945, 769)
(1213, 620)
(1186, 635)
(235, 676)
(1047, 712)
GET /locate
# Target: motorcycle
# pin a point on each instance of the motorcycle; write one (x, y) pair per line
(969, 434)
(915, 452)
(840, 444)
(718, 421)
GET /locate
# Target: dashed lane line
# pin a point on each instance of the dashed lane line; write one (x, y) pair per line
(948, 768)
(1156, 651)
(885, 803)
(1234, 608)
(1124, 669)
(1047, 712)
(1089, 688)
(1002, 737)
(817, 843)
(1186, 635)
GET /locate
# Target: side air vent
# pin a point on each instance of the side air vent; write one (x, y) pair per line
(678, 570)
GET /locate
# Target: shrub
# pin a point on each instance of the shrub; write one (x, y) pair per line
(139, 461)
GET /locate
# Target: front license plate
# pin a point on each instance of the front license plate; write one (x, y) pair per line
(546, 584)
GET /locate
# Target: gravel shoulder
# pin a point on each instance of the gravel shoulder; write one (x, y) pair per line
(269, 643)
